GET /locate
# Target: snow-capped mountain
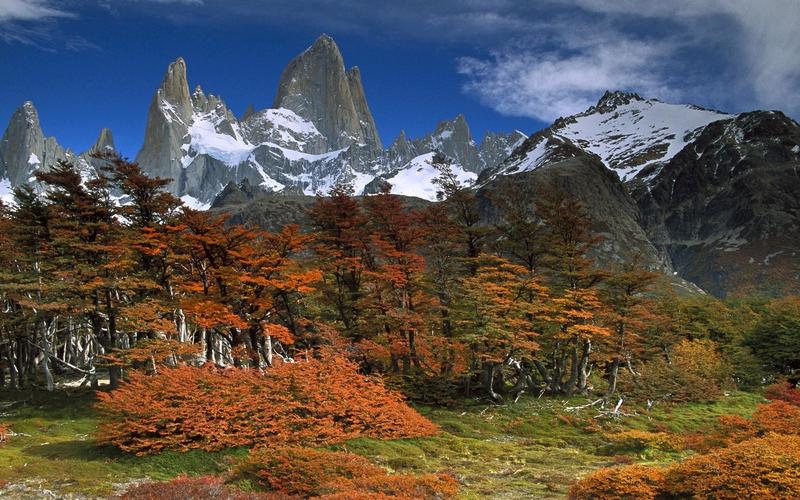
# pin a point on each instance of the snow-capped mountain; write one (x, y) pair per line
(633, 136)
(319, 132)
(717, 194)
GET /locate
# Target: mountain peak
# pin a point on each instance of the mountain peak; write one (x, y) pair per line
(324, 46)
(175, 87)
(105, 141)
(27, 111)
(323, 40)
(611, 100)
(317, 88)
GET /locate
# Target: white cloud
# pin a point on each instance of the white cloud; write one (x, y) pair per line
(738, 53)
(544, 84)
(29, 10)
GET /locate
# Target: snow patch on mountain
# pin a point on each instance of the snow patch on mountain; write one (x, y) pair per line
(285, 128)
(6, 191)
(415, 178)
(206, 139)
(194, 203)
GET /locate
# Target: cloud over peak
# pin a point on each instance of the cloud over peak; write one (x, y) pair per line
(734, 54)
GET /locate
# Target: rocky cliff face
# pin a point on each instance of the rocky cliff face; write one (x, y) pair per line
(726, 208)
(24, 149)
(365, 120)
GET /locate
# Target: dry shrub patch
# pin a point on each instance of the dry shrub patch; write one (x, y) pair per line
(317, 402)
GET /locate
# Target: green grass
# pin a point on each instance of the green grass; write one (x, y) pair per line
(53, 446)
(530, 449)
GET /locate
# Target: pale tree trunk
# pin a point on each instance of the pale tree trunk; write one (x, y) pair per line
(269, 350)
(48, 374)
(612, 377)
(183, 334)
(584, 370)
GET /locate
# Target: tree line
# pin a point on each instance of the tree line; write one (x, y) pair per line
(114, 274)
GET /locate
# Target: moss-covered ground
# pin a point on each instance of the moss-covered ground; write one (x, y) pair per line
(532, 449)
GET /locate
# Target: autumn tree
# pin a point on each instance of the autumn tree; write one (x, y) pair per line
(343, 250)
(84, 233)
(397, 298)
(499, 315)
(519, 233)
(627, 312)
(463, 210)
(573, 280)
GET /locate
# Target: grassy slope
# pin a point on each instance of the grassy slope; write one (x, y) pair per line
(516, 451)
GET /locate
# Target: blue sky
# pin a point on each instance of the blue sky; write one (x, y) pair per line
(504, 64)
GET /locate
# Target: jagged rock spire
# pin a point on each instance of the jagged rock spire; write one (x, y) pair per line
(168, 119)
(104, 142)
(362, 108)
(316, 86)
(175, 88)
(24, 148)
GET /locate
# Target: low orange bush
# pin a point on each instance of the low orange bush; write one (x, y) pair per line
(766, 467)
(309, 472)
(783, 391)
(763, 468)
(638, 441)
(316, 402)
(778, 416)
(631, 482)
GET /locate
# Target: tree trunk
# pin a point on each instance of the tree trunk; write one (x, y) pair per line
(612, 376)
(490, 372)
(269, 350)
(48, 373)
(583, 365)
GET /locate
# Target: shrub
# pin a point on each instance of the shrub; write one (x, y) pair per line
(317, 402)
(311, 472)
(779, 416)
(634, 482)
(767, 467)
(639, 441)
(783, 391)
(698, 372)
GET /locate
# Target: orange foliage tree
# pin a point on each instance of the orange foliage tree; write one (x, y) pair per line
(627, 313)
(501, 306)
(343, 252)
(568, 346)
(695, 371)
(397, 303)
